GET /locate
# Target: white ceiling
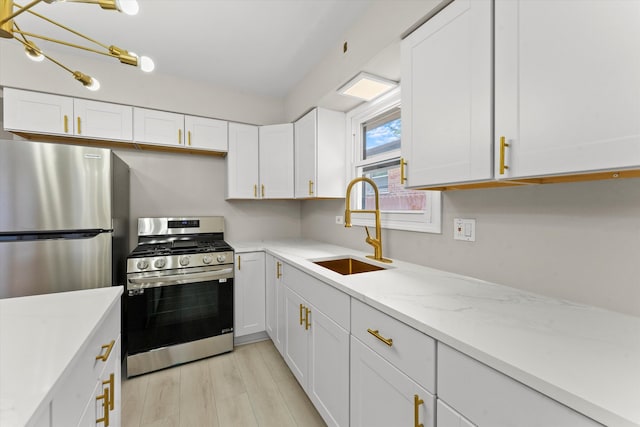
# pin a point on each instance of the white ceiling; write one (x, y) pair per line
(257, 46)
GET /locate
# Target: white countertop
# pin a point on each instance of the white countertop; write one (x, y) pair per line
(582, 356)
(39, 338)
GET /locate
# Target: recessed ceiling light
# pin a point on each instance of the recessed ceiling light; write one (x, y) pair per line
(367, 86)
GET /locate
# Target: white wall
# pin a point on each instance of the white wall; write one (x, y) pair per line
(577, 241)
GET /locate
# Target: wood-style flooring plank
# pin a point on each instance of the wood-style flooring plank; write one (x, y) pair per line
(197, 403)
(225, 376)
(134, 391)
(163, 396)
(236, 411)
(277, 366)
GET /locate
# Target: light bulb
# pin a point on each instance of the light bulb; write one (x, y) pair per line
(146, 64)
(34, 54)
(94, 85)
(130, 7)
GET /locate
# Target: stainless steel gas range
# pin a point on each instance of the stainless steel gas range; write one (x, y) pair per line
(179, 293)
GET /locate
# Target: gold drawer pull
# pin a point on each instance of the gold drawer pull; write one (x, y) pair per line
(403, 164)
(104, 357)
(278, 271)
(301, 318)
(112, 392)
(307, 323)
(189, 137)
(310, 188)
(238, 262)
(79, 126)
(105, 405)
(503, 144)
(416, 413)
(263, 190)
(255, 190)
(179, 136)
(66, 124)
(376, 333)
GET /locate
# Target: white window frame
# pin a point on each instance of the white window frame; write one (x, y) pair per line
(428, 221)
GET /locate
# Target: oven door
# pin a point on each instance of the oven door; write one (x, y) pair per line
(179, 306)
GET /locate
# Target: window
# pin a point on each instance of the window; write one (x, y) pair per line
(376, 131)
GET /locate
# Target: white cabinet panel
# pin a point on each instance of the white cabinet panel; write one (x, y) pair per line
(488, 398)
(103, 120)
(447, 417)
(37, 112)
(249, 294)
(243, 162)
(276, 161)
(381, 395)
(275, 314)
(206, 134)
(296, 346)
(447, 97)
(158, 127)
(566, 96)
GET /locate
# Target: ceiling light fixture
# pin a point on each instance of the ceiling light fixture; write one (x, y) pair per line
(367, 86)
(9, 29)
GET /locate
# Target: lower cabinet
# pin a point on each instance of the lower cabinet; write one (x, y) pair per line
(249, 294)
(448, 417)
(317, 352)
(274, 296)
(381, 395)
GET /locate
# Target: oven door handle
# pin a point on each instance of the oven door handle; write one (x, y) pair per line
(178, 279)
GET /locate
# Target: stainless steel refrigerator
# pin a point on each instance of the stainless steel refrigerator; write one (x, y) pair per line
(64, 213)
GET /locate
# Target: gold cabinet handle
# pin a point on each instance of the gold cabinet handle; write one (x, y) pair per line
(278, 271)
(262, 190)
(376, 333)
(66, 124)
(104, 357)
(105, 405)
(403, 164)
(179, 136)
(189, 137)
(503, 144)
(79, 126)
(111, 384)
(310, 188)
(301, 318)
(416, 413)
(238, 262)
(255, 190)
(307, 323)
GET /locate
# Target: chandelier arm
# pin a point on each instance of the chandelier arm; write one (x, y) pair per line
(20, 10)
(64, 27)
(17, 30)
(58, 63)
(77, 46)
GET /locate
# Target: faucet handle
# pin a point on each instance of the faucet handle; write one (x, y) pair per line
(367, 230)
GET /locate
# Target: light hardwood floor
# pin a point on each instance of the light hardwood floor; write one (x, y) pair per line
(251, 386)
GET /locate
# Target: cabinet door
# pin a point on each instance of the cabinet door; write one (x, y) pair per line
(37, 112)
(567, 91)
(242, 162)
(276, 161)
(331, 155)
(102, 120)
(296, 337)
(206, 134)
(448, 417)
(249, 294)
(158, 127)
(447, 96)
(381, 395)
(305, 155)
(328, 385)
(275, 302)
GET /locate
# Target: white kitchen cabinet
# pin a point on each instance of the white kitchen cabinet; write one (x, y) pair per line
(276, 161)
(381, 395)
(43, 113)
(274, 290)
(242, 162)
(320, 154)
(566, 95)
(206, 134)
(448, 417)
(102, 120)
(316, 342)
(447, 97)
(158, 127)
(488, 398)
(249, 294)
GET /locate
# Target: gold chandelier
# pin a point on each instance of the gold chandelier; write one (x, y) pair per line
(9, 29)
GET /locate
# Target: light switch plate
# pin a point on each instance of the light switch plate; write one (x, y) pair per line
(464, 229)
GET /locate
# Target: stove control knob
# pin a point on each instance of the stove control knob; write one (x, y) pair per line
(184, 261)
(221, 258)
(159, 263)
(207, 259)
(143, 264)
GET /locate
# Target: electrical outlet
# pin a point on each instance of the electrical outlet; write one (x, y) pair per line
(464, 229)
(339, 219)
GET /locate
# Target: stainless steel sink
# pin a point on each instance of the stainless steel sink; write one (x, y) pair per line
(348, 265)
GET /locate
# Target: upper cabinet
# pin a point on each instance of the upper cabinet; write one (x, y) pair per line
(42, 113)
(158, 127)
(206, 134)
(243, 177)
(447, 97)
(320, 154)
(567, 97)
(276, 161)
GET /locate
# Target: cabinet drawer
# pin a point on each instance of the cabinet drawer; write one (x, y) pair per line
(329, 300)
(78, 383)
(411, 351)
(488, 398)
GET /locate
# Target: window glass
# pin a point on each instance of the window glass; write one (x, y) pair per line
(383, 134)
(392, 194)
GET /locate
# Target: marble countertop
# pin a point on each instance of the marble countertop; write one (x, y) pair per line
(582, 356)
(39, 338)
